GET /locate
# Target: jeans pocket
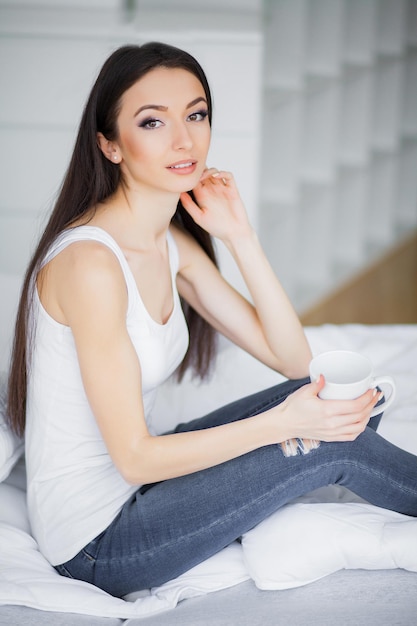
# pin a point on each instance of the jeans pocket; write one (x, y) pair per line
(91, 550)
(61, 569)
(82, 565)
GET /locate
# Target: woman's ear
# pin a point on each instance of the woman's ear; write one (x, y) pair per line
(108, 148)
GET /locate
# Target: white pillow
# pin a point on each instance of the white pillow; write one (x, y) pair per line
(11, 446)
(27, 579)
(305, 541)
(13, 510)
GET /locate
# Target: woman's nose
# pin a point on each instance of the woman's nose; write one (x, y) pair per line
(182, 138)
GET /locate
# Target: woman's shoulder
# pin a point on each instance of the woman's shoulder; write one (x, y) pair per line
(87, 255)
(83, 232)
(85, 246)
(85, 271)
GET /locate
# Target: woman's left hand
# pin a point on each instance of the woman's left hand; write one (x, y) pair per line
(218, 207)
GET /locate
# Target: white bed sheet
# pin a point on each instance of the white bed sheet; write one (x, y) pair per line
(327, 530)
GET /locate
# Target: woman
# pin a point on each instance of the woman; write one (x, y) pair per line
(100, 326)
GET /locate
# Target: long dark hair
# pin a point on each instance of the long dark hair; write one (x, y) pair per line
(89, 180)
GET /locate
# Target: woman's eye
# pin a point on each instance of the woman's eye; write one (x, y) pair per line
(198, 116)
(150, 123)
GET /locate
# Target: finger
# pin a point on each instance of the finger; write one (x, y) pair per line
(370, 399)
(317, 385)
(208, 173)
(343, 430)
(190, 206)
(357, 406)
(218, 175)
(224, 177)
(351, 425)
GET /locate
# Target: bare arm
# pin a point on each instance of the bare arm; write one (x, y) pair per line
(269, 329)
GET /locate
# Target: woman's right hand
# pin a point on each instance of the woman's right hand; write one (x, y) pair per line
(307, 416)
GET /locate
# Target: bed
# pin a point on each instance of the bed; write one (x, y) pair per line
(327, 558)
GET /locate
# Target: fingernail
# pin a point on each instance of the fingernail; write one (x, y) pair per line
(374, 393)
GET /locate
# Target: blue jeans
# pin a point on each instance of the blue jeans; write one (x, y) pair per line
(166, 528)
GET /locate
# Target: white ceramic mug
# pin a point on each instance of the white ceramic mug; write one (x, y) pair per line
(348, 375)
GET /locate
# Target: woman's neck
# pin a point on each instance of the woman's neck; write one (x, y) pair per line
(137, 220)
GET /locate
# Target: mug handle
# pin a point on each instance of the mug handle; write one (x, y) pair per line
(383, 380)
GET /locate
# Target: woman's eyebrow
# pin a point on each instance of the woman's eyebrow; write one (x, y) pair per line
(160, 107)
(196, 101)
(156, 107)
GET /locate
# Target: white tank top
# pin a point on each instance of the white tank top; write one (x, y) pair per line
(74, 489)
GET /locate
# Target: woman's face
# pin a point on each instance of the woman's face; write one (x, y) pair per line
(164, 131)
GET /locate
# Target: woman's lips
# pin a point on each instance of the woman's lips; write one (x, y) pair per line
(183, 167)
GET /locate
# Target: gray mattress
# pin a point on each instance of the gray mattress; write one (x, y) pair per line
(346, 598)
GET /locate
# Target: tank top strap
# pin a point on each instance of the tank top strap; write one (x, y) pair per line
(94, 233)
